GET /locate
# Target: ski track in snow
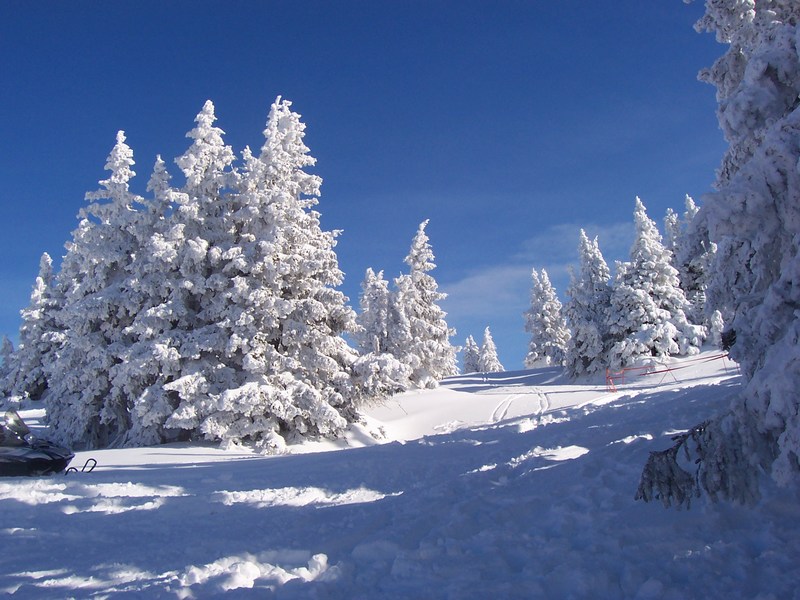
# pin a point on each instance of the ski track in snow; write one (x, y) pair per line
(501, 410)
(534, 502)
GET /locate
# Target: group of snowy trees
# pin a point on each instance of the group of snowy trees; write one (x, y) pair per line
(210, 310)
(405, 327)
(643, 311)
(754, 220)
(483, 358)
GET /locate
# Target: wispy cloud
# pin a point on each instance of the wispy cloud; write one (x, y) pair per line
(558, 245)
(501, 288)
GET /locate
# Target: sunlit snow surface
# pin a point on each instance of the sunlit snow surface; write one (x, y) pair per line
(511, 485)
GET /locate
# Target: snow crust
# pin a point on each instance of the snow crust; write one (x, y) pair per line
(504, 485)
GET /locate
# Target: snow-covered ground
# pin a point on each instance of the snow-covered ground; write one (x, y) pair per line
(512, 485)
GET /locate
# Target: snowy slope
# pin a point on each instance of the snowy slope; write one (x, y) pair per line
(513, 485)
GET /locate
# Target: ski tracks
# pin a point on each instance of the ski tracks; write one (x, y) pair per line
(544, 401)
(501, 410)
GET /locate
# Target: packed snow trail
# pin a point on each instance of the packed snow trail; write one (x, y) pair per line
(535, 506)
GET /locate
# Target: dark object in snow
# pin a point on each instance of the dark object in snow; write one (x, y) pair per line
(23, 454)
(728, 339)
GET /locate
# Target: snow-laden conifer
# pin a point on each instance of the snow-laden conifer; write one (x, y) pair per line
(374, 318)
(692, 255)
(378, 370)
(586, 310)
(647, 315)
(546, 324)
(6, 367)
(488, 361)
(272, 362)
(471, 356)
(39, 338)
(153, 356)
(82, 406)
(754, 218)
(421, 336)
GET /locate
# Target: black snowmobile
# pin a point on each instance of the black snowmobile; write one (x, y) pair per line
(21, 453)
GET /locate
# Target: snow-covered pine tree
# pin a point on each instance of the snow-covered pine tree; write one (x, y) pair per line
(39, 338)
(97, 306)
(373, 320)
(586, 310)
(488, 361)
(283, 368)
(378, 372)
(672, 231)
(754, 218)
(546, 324)
(421, 336)
(647, 315)
(471, 356)
(152, 358)
(176, 339)
(6, 357)
(692, 257)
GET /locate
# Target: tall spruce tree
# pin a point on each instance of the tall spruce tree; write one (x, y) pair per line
(692, 257)
(586, 311)
(156, 334)
(421, 337)
(39, 338)
(277, 363)
(754, 218)
(471, 356)
(488, 361)
(82, 407)
(374, 318)
(648, 308)
(546, 324)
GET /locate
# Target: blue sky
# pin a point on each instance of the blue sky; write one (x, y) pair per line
(509, 124)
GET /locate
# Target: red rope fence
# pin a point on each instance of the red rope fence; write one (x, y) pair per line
(613, 378)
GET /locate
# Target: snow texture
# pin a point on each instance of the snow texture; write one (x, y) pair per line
(507, 485)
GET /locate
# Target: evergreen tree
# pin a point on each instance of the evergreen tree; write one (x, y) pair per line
(277, 364)
(546, 324)
(374, 319)
(471, 356)
(692, 257)
(39, 338)
(488, 362)
(6, 356)
(378, 372)
(152, 358)
(672, 233)
(586, 311)
(81, 404)
(753, 218)
(420, 337)
(647, 316)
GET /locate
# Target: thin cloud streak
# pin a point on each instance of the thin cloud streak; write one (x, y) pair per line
(505, 288)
